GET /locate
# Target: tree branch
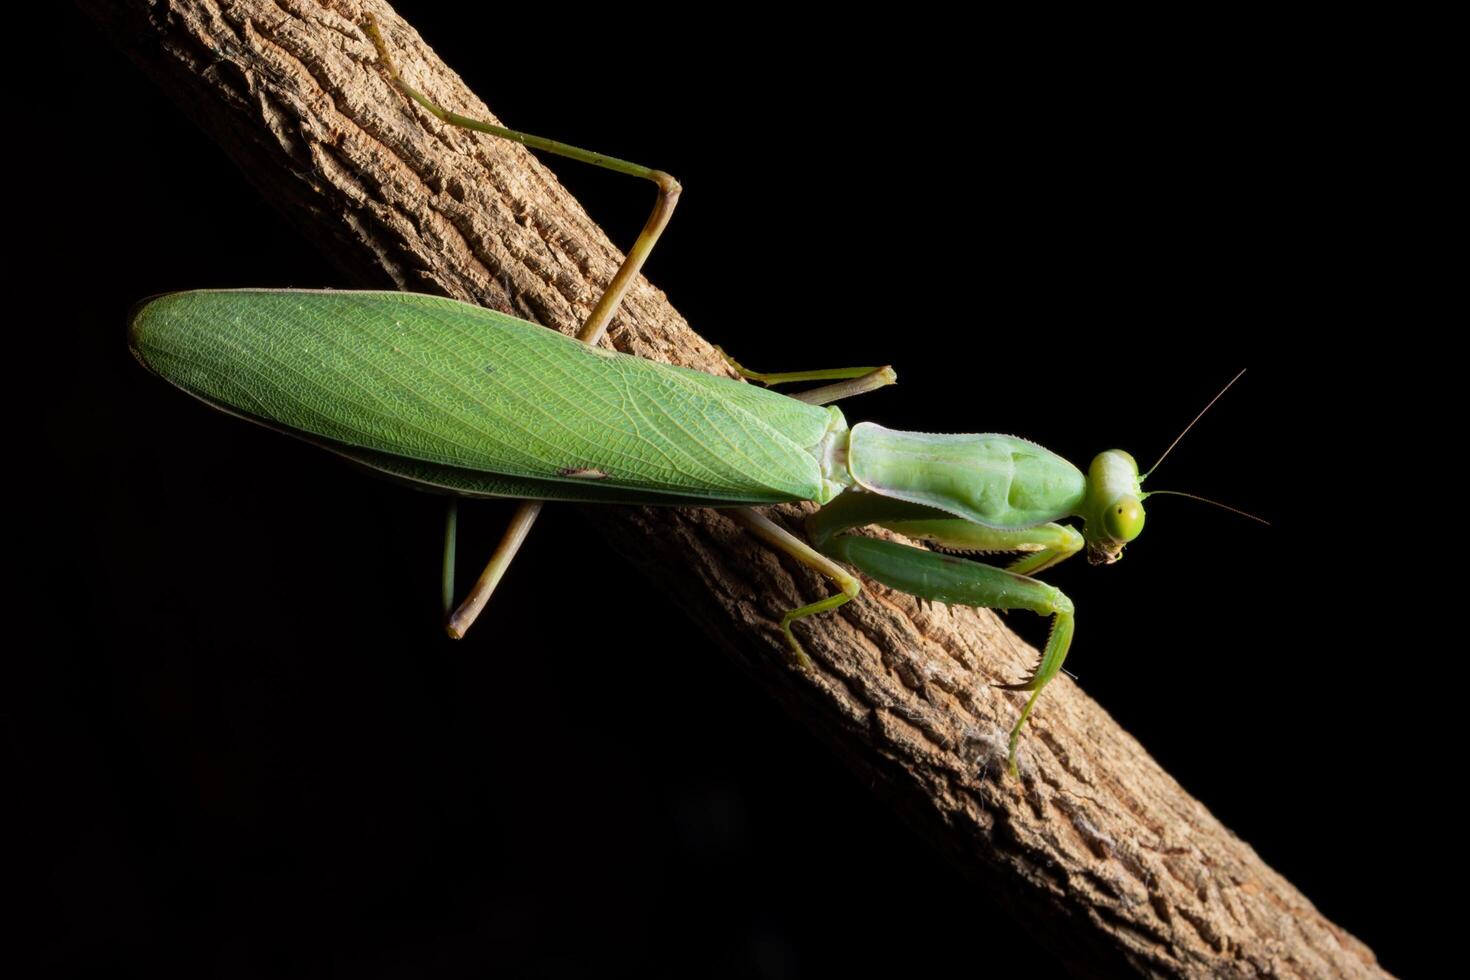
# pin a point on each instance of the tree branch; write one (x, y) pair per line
(1095, 850)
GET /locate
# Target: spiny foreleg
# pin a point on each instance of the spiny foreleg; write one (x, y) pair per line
(951, 579)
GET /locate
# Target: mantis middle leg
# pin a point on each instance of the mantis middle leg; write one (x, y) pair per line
(777, 537)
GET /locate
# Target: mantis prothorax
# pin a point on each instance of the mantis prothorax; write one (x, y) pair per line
(475, 403)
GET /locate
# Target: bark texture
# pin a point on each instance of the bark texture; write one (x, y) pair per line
(1096, 850)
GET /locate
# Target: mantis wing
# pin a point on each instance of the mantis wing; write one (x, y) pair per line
(442, 393)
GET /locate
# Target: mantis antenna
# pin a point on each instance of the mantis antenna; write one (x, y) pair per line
(1207, 500)
(1192, 496)
(1187, 428)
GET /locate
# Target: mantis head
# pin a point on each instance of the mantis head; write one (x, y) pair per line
(1112, 510)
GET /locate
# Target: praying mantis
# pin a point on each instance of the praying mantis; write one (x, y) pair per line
(455, 398)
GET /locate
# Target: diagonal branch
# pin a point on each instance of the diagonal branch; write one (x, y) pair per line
(1096, 850)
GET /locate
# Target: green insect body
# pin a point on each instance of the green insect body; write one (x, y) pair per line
(469, 401)
(483, 404)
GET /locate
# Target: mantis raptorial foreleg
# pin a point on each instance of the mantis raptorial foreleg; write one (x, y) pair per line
(947, 578)
(1044, 545)
(951, 579)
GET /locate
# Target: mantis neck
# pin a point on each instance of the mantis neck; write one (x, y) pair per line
(996, 480)
(831, 453)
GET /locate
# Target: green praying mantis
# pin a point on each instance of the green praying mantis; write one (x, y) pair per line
(470, 402)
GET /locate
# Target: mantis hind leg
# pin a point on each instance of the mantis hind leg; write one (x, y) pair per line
(590, 333)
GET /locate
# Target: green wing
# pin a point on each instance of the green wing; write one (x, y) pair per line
(473, 401)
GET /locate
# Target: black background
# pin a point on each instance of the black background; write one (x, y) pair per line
(243, 749)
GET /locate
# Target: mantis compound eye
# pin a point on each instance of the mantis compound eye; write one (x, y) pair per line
(1124, 518)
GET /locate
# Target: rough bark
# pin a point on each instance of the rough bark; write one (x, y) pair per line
(1095, 849)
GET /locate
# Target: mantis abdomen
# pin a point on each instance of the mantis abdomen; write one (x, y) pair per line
(475, 402)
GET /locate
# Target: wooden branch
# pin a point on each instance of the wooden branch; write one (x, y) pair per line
(1096, 850)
